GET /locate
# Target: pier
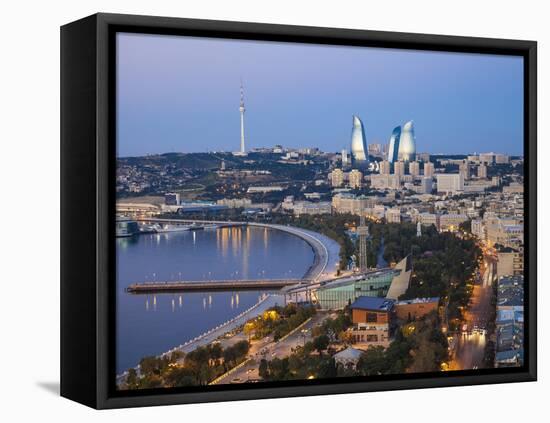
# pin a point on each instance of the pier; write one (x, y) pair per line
(213, 285)
(219, 223)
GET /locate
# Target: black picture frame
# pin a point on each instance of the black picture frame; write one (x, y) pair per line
(88, 207)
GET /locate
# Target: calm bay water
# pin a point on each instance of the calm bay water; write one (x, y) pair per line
(152, 324)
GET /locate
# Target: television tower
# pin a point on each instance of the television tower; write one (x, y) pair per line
(242, 109)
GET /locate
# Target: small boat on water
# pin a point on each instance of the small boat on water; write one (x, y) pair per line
(171, 228)
(200, 226)
(126, 227)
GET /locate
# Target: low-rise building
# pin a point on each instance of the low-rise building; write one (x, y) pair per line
(348, 358)
(415, 308)
(235, 203)
(371, 318)
(172, 198)
(450, 183)
(506, 232)
(514, 187)
(377, 212)
(478, 229)
(509, 262)
(393, 215)
(264, 189)
(428, 219)
(309, 207)
(341, 292)
(509, 321)
(349, 203)
(385, 181)
(451, 222)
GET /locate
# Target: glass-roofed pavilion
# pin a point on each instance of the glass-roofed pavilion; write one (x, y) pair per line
(341, 292)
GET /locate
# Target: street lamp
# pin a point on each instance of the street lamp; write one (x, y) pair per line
(304, 334)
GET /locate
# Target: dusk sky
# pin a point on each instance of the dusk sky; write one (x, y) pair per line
(182, 94)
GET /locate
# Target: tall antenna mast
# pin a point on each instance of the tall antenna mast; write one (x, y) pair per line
(242, 109)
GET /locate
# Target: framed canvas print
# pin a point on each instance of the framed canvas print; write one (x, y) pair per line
(255, 211)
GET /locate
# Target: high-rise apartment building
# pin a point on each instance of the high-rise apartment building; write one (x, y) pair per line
(464, 169)
(414, 168)
(482, 171)
(337, 178)
(355, 179)
(399, 168)
(385, 167)
(429, 169)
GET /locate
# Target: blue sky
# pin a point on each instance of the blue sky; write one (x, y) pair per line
(182, 94)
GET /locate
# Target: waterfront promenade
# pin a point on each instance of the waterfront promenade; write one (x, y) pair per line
(326, 250)
(220, 330)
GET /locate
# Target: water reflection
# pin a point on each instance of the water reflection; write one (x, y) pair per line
(151, 324)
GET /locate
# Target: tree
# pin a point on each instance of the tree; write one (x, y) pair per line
(263, 370)
(132, 379)
(180, 376)
(321, 343)
(149, 365)
(278, 369)
(327, 368)
(373, 362)
(424, 359)
(216, 352)
(466, 226)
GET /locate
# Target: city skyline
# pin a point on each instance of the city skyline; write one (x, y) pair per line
(303, 107)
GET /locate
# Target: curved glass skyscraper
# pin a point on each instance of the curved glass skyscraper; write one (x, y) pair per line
(393, 149)
(358, 142)
(407, 143)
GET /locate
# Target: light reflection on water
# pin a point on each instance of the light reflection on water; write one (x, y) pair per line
(151, 324)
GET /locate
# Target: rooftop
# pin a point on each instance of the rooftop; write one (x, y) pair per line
(349, 354)
(357, 278)
(419, 301)
(373, 303)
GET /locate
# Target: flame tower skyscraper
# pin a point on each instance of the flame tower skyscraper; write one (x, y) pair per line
(358, 143)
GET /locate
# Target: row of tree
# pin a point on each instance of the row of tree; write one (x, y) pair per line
(443, 262)
(199, 367)
(333, 226)
(278, 321)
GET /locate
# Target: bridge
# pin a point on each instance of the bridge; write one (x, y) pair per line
(213, 285)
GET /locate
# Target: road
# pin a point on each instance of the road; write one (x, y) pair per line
(268, 349)
(470, 348)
